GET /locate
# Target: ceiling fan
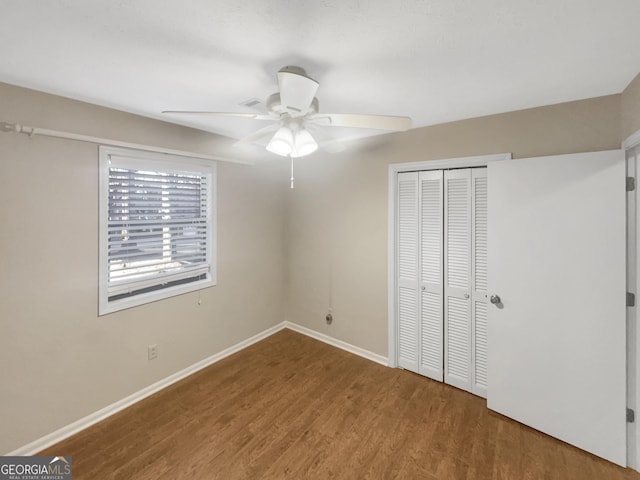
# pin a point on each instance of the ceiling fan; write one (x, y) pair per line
(293, 111)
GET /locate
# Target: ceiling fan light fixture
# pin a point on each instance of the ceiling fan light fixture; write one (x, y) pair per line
(305, 144)
(282, 142)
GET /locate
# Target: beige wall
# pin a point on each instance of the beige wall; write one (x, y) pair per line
(630, 108)
(284, 254)
(337, 213)
(60, 361)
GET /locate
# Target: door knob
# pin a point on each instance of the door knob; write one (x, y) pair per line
(495, 299)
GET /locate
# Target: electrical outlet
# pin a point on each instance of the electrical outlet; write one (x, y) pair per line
(153, 351)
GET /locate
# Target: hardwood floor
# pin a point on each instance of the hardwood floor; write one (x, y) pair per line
(292, 407)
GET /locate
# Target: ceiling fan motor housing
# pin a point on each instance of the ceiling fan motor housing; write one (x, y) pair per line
(275, 106)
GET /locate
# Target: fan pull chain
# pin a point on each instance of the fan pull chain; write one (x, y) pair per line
(291, 171)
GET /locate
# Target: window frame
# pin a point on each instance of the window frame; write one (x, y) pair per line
(154, 161)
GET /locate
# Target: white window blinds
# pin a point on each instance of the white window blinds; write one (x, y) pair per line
(157, 227)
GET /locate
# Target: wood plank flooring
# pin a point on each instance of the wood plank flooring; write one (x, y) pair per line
(290, 407)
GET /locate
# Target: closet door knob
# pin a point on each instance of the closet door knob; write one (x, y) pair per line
(495, 299)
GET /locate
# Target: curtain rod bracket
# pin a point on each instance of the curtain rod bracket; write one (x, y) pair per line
(7, 127)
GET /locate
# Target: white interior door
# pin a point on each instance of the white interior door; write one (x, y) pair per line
(431, 329)
(556, 358)
(479, 296)
(407, 267)
(457, 278)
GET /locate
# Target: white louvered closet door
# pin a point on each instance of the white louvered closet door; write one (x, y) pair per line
(442, 276)
(407, 242)
(479, 294)
(431, 262)
(457, 278)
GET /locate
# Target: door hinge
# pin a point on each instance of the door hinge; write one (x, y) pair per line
(631, 299)
(631, 415)
(631, 184)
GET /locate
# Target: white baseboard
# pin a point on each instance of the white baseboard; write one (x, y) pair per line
(85, 422)
(75, 427)
(374, 357)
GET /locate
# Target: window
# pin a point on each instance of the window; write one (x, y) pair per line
(157, 227)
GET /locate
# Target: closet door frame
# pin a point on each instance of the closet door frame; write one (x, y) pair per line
(394, 170)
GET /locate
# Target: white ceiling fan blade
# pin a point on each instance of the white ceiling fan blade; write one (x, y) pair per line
(254, 116)
(353, 120)
(296, 91)
(327, 142)
(258, 135)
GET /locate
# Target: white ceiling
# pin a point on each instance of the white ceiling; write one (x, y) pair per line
(433, 60)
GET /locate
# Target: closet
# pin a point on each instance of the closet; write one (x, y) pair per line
(441, 275)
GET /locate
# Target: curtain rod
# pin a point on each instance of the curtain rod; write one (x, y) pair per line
(7, 127)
